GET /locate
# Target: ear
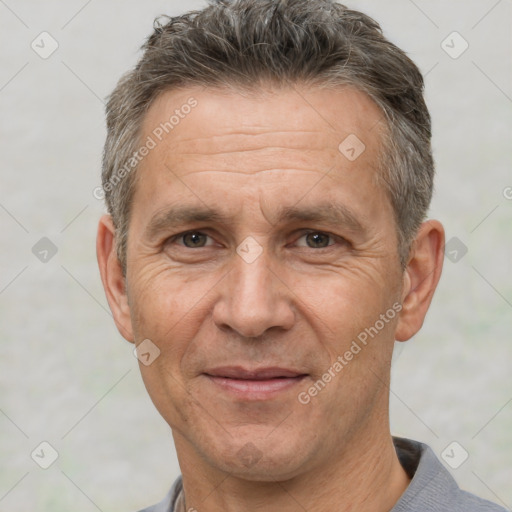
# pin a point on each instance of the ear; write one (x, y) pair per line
(420, 279)
(112, 277)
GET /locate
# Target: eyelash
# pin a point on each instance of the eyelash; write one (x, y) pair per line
(336, 238)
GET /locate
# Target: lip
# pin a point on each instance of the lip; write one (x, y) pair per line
(254, 384)
(239, 372)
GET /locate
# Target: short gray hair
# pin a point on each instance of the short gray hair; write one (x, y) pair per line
(247, 44)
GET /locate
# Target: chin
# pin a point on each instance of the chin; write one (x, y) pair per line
(261, 461)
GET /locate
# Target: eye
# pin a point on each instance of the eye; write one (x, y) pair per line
(316, 240)
(191, 239)
(198, 240)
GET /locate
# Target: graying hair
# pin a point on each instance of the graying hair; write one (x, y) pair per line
(249, 44)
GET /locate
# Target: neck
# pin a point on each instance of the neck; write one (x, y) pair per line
(366, 476)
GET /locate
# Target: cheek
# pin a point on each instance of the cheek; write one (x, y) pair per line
(168, 393)
(169, 310)
(355, 321)
(346, 301)
(162, 300)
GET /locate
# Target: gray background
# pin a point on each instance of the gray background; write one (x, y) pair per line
(66, 375)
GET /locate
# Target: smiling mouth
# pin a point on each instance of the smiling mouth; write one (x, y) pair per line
(260, 384)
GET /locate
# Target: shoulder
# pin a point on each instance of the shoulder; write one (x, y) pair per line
(167, 504)
(468, 502)
(432, 487)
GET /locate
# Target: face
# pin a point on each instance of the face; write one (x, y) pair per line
(259, 251)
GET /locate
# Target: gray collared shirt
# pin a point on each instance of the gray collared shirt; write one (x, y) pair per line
(432, 488)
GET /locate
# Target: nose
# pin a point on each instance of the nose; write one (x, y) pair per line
(253, 298)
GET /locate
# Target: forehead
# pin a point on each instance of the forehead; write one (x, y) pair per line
(296, 115)
(260, 140)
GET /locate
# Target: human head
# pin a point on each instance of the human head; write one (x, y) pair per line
(248, 167)
(245, 43)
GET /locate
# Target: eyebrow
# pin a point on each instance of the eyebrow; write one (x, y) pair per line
(329, 212)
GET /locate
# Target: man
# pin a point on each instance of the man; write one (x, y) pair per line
(267, 172)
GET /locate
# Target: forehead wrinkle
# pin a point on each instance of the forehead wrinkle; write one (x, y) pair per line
(254, 161)
(176, 171)
(238, 143)
(247, 150)
(254, 133)
(249, 173)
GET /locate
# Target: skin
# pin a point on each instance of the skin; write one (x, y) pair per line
(298, 305)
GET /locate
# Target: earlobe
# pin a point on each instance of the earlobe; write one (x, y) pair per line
(112, 277)
(421, 278)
